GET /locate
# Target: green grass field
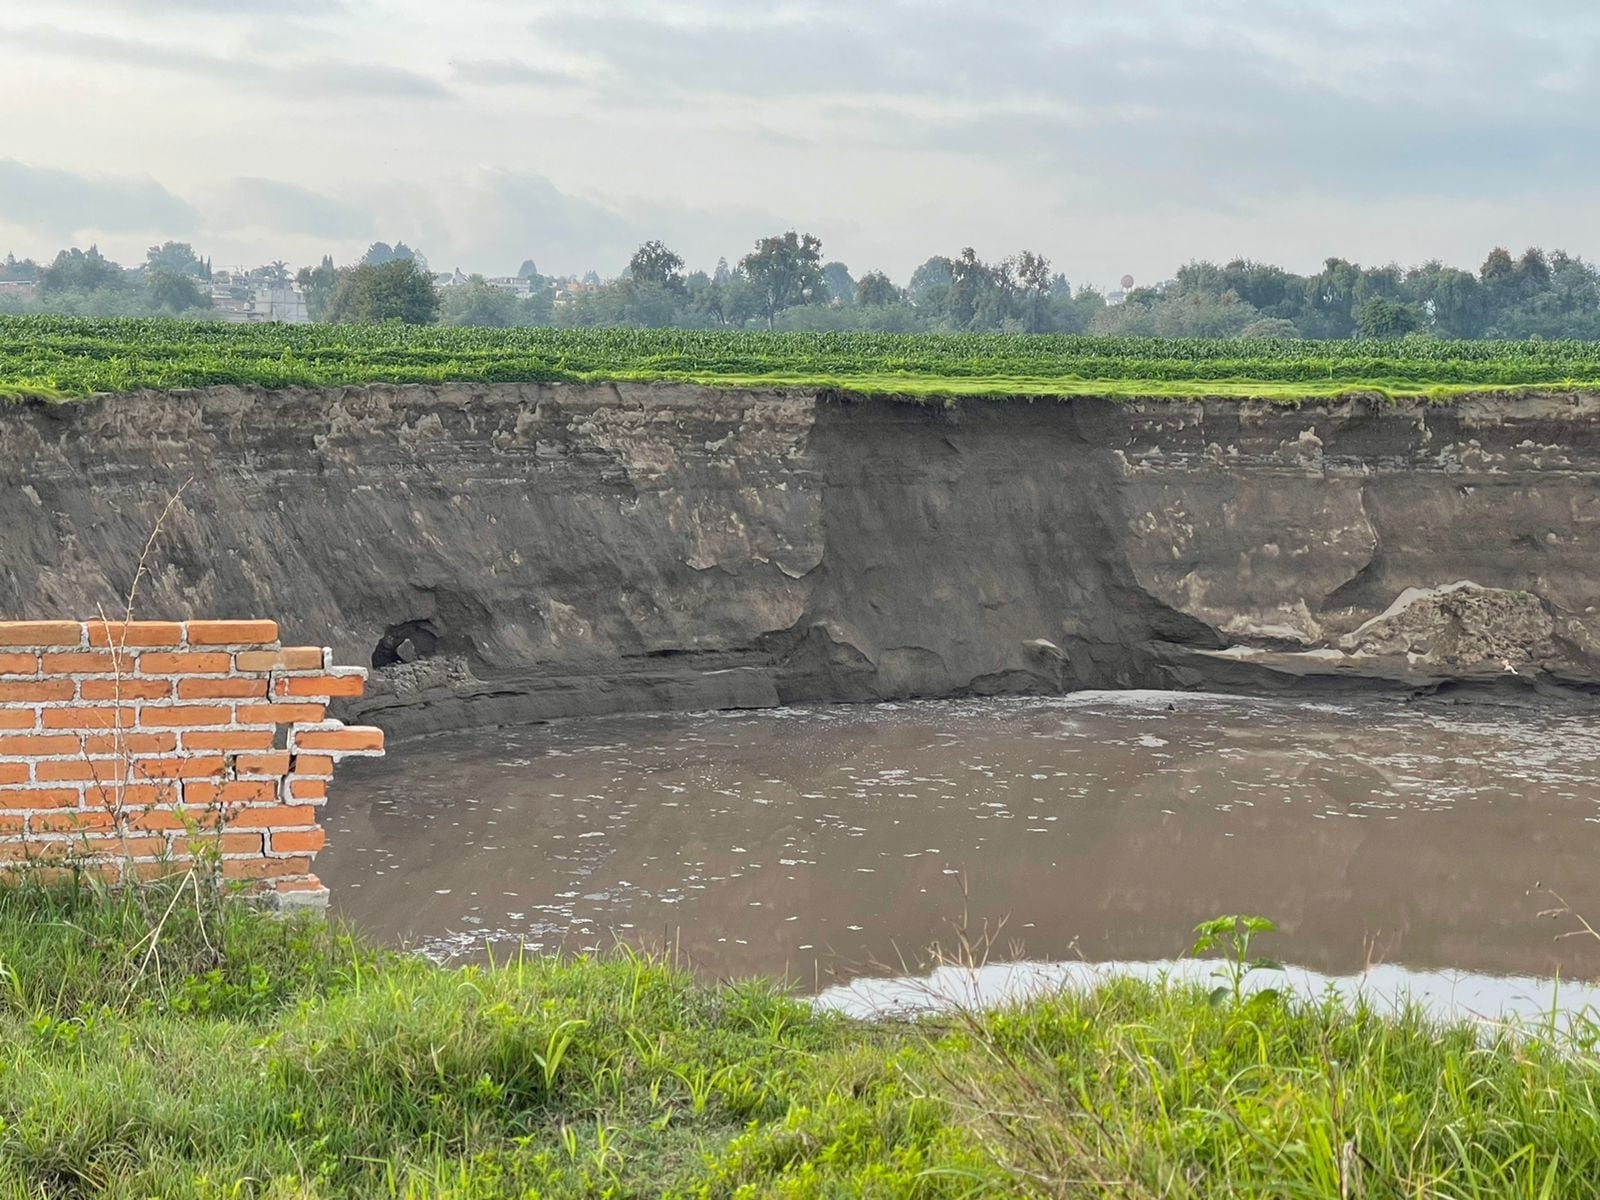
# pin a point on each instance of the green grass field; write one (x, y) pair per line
(65, 357)
(150, 1047)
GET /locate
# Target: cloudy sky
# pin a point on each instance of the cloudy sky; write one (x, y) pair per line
(1128, 136)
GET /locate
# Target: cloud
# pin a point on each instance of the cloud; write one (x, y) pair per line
(510, 72)
(187, 8)
(495, 215)
(290, 81)
(64, 203)
(278, 207)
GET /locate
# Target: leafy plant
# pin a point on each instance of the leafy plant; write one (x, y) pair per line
(1234, 933)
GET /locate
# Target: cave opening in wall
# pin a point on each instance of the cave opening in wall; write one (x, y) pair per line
(406, 642)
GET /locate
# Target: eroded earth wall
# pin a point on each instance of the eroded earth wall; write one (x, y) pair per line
(514, 552)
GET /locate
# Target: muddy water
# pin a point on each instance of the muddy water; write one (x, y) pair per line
(828, 843)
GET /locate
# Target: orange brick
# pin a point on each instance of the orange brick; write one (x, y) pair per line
(308, 789)
(124, 689)
(280, 815)
(128, 795)
(234, 791)
(36, 852)
(226, 739)
(263, 764)
(18, 718)
(38, 797)
(110, 716)
(278, 714)
(264, 868)
(219, 843)
(313, 764)
(39, 744)
(297, 841)
(184, 663)
(231, 633)
(12, 824)
(148, 872)
(290, 658)
(307, 883)
(19, 664)
(69, 822)
(79, 770)
(186, 715)
(135, 633)
(17, 772)
(33, 692)
(41, 633)
(179, 768)
(129, 847)
(222, 689)
(353, 739)
(81, 662)
(52, 874)
(322, 685)
(163, 819)
(130, 743)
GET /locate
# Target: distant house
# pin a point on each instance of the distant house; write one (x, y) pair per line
(515, 284)
(239, 300)
(18, 289)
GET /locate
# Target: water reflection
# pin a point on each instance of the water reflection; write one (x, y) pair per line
(1448, 995)
(830, 843)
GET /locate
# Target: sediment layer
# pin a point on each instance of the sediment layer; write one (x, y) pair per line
(515, 552)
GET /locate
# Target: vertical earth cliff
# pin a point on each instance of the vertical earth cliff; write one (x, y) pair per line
(513, 552)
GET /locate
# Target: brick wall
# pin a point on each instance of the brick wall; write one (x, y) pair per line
(136, 749)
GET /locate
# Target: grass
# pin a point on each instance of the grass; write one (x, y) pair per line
(59, 358)
(284, 1058)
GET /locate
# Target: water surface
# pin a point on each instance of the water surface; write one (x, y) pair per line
(825, 844)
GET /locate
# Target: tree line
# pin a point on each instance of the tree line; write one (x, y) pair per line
(786, 282)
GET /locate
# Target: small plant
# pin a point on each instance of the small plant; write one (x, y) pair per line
(1234, 933)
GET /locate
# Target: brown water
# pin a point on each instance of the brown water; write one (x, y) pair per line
(827, 843)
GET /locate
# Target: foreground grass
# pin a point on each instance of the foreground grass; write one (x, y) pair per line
(257, 1057)
(60, 358)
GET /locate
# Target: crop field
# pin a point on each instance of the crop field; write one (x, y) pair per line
(57, 358)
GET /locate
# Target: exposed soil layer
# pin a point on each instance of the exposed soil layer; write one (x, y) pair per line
(519, 551)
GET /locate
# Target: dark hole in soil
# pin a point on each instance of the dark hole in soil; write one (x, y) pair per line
(406, 642)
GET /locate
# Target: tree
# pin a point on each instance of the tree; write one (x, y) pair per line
(875, 290)
(397, 290)
(318, 284)
(785, 271)
(176, 257)
(19, 271)
(1381, 317)
(1033, 279)
(381, 252)
(81, 271)
(1274, 328)
(477, 302)
(653, 265)
(935, 273)
(528, 270)
(980, 296)
(175, 292)
(841, 288)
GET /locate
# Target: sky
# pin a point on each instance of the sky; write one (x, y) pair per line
(1126, 137)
